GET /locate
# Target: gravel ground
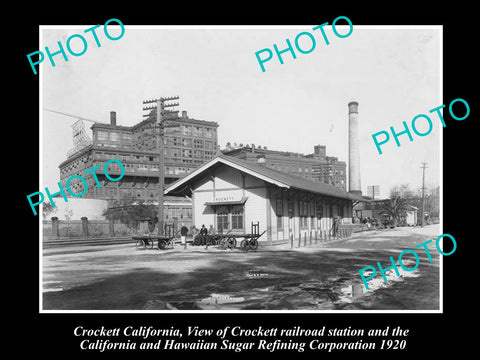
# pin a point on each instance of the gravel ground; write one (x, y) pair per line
(319, 277)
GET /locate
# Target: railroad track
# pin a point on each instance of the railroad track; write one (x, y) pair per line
(87, 242)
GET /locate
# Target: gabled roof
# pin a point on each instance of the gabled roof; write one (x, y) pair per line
(272, 176)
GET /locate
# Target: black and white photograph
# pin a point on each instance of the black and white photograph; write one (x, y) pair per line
(279, 189)
(241, 181)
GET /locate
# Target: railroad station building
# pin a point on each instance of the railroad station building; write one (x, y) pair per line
(230, 193)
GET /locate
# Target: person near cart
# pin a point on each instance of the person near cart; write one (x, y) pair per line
(183, 235)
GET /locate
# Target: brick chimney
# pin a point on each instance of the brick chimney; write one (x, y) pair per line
(113, 118)
(353, 150)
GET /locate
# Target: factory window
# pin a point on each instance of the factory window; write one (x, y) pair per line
(186, 130)
(150, 158)
(102, 135)
(187, 142)
(208, 145)
(175, 141)
(209, 133)
(114, 136)
(175, 152)
(198, 131)
(126, 137)
(198, 154)
(198, 143)
(172, 130)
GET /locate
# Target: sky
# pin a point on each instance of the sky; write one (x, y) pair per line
(394, 73)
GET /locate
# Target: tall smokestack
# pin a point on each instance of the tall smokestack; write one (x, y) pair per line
(113, 118)
(354, 185)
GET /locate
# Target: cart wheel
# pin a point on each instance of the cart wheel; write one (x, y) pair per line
(243, 244)
(149, 243)
(161, 244)
(140, 244)
(232, 242)
(254, 244)
(222, 242)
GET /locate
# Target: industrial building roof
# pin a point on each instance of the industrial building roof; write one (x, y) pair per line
(269, 175)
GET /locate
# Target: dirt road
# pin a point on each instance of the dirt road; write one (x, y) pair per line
(320, 277)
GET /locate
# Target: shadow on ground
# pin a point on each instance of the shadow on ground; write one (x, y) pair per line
(322, 279)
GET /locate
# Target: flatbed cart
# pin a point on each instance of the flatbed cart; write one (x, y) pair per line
(148, 241)
(227, 241)
(249, 242)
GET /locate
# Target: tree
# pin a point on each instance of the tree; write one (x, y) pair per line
(414, 198)
(402, 191)
(131, 212)
(48, 209)
(396, 208)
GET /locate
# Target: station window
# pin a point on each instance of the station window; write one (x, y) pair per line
(303, 222)
(279, 206)
(279, 223)
(222, 220)
(237, 218)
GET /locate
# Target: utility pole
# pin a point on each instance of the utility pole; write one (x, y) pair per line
(373, 190)
(424, 166)
(159, 126)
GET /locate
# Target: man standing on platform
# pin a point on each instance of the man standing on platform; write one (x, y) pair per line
(183, 235)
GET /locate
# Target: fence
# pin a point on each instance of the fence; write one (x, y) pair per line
(85, 228)
(321, 236)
